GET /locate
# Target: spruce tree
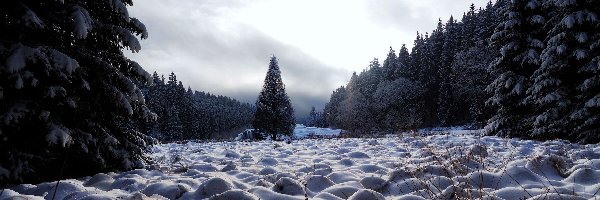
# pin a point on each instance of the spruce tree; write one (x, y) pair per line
(520, 39)
(69, 92)
(390, 66)
(332, 109)
(567, 84)
(403, 62)
(274, 113)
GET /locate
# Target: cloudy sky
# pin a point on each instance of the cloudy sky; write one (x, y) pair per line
(223, 46)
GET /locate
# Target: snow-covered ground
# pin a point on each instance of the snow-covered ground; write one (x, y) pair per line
(302, 131)
(454, 165)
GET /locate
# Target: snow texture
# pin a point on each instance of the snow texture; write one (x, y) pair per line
(32, 20)
(450, 164)
(82, 22)
(58, 135)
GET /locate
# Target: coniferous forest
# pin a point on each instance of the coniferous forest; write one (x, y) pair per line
(190, 115)
(516, 68)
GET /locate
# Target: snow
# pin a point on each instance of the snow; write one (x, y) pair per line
(59, 135)
(82, 22)
(32, 20)
(21, 54)
(440, 164)
(569, 21)
(119, 6)
(594, 102)
(302, 131)
(14, 114)
(128, 39)
(62, 61)
(19, 83)
(141, 27)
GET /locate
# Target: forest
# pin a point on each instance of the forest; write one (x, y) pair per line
(525, 69)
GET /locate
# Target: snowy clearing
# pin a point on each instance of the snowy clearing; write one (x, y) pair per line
(302, 131)
(457, 164)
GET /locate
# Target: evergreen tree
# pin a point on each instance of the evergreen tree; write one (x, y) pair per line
(313, 117)
(69, 92)
(332, 110)
(566, 84)
(274, 113)
(403, 62)
(520, 39)
(390, 66)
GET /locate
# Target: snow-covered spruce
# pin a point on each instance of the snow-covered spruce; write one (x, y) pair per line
(458, 165)
(68, 92)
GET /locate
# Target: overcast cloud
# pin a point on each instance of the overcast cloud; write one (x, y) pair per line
(223, 46)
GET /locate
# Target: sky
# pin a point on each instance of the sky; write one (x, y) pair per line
(224, 46)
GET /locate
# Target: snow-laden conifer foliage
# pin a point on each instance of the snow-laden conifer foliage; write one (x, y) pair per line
(274, 113)
(68, 90)
(520, 40)
(548, 70)
(526, 68)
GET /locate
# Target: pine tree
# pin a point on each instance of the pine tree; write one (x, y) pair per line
(69, 92)
(274, 113)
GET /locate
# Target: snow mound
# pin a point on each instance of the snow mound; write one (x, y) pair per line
(211, 187)
(366, 194)
(288, 186)
(450, 165)
(357, 155)
(317, 183)
(234, 194)
(373, 183)
(165, 189)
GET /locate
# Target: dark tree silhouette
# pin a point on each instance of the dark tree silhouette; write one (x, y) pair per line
(274, 113)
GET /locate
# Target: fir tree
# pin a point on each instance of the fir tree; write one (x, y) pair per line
(274, 113)
(70, 93)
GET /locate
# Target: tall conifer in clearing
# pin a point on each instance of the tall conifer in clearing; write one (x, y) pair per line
(274, 113)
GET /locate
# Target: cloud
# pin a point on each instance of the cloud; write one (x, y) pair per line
(213, 53)
(409, 16)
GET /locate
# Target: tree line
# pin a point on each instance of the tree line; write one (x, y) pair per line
(522, 68)
(187, 114)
